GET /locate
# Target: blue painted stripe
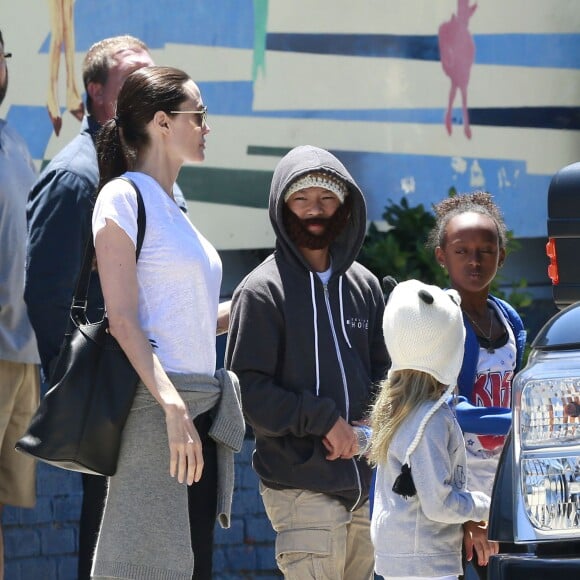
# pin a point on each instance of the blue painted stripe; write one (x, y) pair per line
(222, 23)
(236, 98)
(567, 118)
(368, 45)
(533, 50)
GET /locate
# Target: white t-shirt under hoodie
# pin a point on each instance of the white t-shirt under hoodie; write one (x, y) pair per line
(178, 272)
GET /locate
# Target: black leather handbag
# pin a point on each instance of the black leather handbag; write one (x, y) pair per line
(79, 422)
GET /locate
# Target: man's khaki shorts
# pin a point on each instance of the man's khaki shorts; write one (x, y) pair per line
(19, 397)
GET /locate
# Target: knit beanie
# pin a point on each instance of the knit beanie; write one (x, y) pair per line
(318, 179)
(423, 328)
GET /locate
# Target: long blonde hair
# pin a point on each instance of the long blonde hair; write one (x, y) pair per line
(400, 393)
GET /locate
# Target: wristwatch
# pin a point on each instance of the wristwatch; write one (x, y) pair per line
(363, 436)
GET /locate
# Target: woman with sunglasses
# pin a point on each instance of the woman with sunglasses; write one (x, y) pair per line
(163, 311)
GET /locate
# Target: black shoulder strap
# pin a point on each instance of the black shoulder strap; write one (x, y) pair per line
(141, 217)
(79, 303)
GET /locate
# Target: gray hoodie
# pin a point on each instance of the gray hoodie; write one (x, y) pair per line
(306, 353)
(422, 535)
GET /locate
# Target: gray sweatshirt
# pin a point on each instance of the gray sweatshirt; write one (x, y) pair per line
(308, 352)
(422, 535)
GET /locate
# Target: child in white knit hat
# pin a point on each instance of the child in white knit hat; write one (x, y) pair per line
(421, 500)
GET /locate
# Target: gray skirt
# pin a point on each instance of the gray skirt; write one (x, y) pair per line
(145, 529)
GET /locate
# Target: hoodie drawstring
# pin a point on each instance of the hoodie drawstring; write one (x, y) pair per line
(315, 325)
(342, 311)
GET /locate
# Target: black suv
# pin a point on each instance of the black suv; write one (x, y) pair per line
(536, 496)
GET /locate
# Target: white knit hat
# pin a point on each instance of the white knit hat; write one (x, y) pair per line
(424, 331)
(423, 327)
(318, 179)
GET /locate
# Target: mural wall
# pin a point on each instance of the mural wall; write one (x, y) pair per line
(414, 96)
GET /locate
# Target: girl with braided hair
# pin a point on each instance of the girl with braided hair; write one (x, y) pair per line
(469, 240)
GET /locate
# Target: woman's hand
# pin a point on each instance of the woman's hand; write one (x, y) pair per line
(475, 538)
(186, 459)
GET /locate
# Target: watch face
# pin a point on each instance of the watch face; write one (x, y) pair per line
(363, 435)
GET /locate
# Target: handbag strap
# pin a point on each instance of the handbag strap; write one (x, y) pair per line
(79, 303)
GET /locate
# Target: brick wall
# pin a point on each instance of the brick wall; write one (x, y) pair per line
(41, 543)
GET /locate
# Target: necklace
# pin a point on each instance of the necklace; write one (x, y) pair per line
(486, 337)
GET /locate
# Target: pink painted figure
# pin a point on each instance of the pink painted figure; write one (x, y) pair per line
(457, 53)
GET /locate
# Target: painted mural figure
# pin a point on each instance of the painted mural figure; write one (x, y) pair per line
(62, 35)
(457, 53)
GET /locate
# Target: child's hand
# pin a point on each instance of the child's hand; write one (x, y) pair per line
(475, 538)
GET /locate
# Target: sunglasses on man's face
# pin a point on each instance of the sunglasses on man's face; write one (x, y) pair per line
(202, 112)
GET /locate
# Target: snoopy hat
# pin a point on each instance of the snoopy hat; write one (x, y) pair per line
(423, 327)
(424, 331)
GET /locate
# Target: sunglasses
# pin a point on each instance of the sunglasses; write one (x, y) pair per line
(202, 113)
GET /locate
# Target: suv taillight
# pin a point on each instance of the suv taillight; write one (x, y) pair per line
(553, 273)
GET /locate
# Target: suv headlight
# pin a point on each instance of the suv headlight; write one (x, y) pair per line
(551, 488)
(549, 412)
(546, 431)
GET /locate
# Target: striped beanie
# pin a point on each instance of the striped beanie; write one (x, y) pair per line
(318, 179)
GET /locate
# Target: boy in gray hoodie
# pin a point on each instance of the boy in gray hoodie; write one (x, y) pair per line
(307, 345)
